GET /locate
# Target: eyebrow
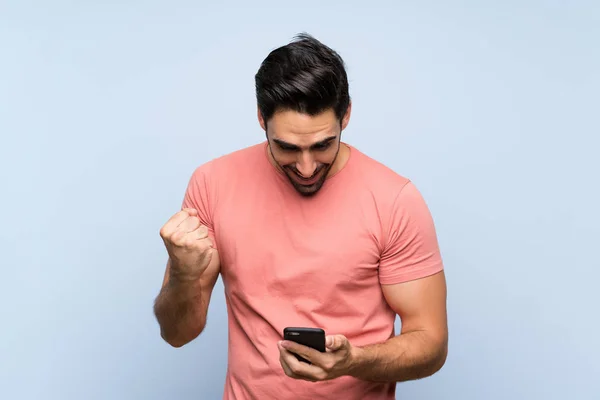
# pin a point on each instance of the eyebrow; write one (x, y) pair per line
(290, 146)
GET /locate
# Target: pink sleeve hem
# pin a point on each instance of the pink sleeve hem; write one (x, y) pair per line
(393, 279)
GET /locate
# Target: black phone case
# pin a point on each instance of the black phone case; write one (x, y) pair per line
(310, 337)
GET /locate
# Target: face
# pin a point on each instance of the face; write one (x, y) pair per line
(306, 148)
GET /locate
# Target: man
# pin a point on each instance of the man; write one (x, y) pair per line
(307, 231)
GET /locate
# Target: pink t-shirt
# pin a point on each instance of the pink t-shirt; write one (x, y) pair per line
(287, 260)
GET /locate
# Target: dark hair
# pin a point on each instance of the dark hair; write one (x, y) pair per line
(304, 76)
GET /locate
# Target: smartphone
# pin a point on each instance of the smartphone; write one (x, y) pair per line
(310, 337)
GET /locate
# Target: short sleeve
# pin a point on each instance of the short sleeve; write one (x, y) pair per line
(411, 249)
(198, 195)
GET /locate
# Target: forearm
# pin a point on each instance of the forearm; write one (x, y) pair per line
(409, 356)
(180, 311)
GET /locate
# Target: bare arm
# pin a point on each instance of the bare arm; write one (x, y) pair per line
(190, 276)
(181, 306)
(421, 348)
(419, 351)
(411, 250)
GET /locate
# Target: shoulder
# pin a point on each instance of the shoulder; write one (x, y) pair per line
(392, 195)
(379, 179)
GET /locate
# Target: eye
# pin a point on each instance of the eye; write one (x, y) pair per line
(322, 146)
(286, 148)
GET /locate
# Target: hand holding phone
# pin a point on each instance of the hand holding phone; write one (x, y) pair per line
(310, 337)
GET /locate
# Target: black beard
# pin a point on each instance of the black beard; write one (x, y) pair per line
(310, 190)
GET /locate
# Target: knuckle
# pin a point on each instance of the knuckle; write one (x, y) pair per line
(163, 232)
(190, 243)
(178, 238)
(286, 369)
(201, 245)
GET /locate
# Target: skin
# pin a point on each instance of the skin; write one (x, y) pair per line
(419, 351)
(190, 276)
(302, 147)
(306, 147)
(296, 148)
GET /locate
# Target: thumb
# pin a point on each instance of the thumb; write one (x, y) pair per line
(192, 212)
(335, 342)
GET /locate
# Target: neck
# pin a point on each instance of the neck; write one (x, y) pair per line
(340, 160)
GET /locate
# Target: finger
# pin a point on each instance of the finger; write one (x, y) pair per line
(297, 369)
(191, 211)
(174, 222)
(190, 224)
(208, 256)
(335, 342)
(285, 366)
(201, 233)
(302, 370)
(312, 355)
(283, 354)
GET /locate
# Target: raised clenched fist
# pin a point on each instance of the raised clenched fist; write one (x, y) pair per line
(187, 242)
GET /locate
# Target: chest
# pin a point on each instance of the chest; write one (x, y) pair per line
(316, 250)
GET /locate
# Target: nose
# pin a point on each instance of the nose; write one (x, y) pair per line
(306, 165)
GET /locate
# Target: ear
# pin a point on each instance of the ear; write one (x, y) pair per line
(346, 118)
(261, 121)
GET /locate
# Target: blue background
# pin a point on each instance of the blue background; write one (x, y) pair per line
(491, 108)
